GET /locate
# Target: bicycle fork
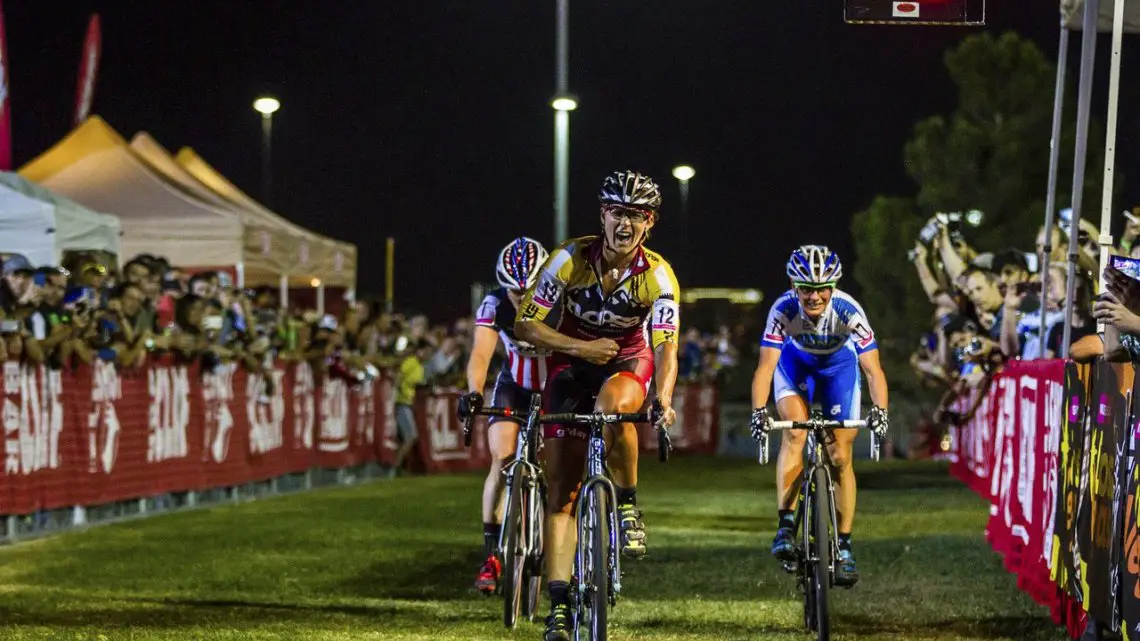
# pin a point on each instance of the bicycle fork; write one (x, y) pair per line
(597, 485)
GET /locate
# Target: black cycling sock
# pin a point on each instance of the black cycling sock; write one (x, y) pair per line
(491, 537)
(845, 541)
(787, 519)
(559, 592)
(627, 495)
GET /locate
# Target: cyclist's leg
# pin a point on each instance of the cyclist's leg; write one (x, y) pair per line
(564, 454)
(502, 437)
(624, 392)
(840, 393)
(792, 391)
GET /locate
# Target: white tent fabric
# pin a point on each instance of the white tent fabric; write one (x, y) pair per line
(270, 248)
(1073, 10)
(332, 261)
(56, 226)
(26, 227)
(94, 166)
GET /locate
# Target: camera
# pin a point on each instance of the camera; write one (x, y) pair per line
(1028, 288)
(969, 350)
(9, 326)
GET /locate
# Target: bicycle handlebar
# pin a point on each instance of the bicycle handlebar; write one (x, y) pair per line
(814, 424)
(664, 443)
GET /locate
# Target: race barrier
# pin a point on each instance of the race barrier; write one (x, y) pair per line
(95, 435)
(1053, 447)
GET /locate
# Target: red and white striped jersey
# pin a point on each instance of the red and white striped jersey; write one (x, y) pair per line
(525, 363)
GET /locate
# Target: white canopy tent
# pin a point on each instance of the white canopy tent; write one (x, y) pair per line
(331, 261)
(41, 225)
(270, 252)
(95, 166)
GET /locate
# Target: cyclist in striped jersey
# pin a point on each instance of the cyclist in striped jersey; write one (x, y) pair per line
(523, 372)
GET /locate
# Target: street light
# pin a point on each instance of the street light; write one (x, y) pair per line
(266, 106)
(683, 174)
(563, 104)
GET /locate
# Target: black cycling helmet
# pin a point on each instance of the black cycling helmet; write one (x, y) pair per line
(630, 189)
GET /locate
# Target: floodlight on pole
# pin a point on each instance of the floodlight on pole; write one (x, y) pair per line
(684, 173)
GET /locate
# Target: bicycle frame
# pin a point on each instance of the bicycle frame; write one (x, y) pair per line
(596, 479)
(526, 456)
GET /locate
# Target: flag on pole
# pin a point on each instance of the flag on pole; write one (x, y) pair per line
(88, 68)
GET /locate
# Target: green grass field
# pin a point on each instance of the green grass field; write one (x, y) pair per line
(394, 559)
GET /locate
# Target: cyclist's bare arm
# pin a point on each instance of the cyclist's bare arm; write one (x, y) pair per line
(762, 379)
(665, 362)
(483, 347)
(876, 379)
(537, 333)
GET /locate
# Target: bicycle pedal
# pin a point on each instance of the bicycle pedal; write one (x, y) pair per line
(790, 568)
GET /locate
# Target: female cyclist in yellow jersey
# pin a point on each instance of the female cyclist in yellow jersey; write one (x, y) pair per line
(620, 321)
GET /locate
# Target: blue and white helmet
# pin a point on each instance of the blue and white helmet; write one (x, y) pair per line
(519, 263)
(814, 265)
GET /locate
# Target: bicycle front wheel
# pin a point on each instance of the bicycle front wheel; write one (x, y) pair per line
(595, 530)
(820, 577)
(514, 524)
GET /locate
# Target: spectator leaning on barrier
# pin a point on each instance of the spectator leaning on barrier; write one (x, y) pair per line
(410, 375)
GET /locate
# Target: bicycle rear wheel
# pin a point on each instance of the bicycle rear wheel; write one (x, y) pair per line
(532, 574)
(514, 563)
(820, 578)
(595, 566)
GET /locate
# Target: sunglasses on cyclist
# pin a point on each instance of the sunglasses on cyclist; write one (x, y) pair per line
(806, 289)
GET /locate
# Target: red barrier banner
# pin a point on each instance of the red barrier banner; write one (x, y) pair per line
(698, 421)
(1008, 454)
(95, 435)
(441, 435)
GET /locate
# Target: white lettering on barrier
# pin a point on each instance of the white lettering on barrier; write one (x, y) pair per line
(304, 407)
(1027, 451)
(33, 419)
(707, 401)
(1054, 412)
(103, 422)
(169, 413)
(365, 432)
(389, 425)
(334, 416)
(1003, 441)
(443, 424)
(218, 392)
(266, 420)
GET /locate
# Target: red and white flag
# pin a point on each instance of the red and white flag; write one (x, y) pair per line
(905, 10)
(88, 68)
(5, 106)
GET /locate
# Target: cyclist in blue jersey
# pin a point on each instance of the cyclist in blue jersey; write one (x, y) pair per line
(816, 341)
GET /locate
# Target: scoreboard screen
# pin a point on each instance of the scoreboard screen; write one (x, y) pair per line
(915, 12)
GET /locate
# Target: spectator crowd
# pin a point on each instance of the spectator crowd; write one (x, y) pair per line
(989, 308)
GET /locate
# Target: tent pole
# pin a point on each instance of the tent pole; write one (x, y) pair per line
(284, 292)
(1054, 157)
(1084, 97)
(1110, 139)
(321, 299)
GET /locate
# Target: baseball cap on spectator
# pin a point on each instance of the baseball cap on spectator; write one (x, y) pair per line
(328, 321)
(225, 281)
(17, 264)
(1009, 257)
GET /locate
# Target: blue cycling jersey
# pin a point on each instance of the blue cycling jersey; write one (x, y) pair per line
(819, 359)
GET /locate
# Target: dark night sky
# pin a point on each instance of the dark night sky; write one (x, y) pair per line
(429, 121)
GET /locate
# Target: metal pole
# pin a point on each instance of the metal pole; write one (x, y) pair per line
(685, 220)
(283, 292)
(1084, 97)
(321, 299)
(1054, 157)
(266, 162)
(1105, 240)
(390, 266)
(562, 125)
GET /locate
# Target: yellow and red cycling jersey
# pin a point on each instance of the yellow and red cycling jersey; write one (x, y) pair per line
(643, 310)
